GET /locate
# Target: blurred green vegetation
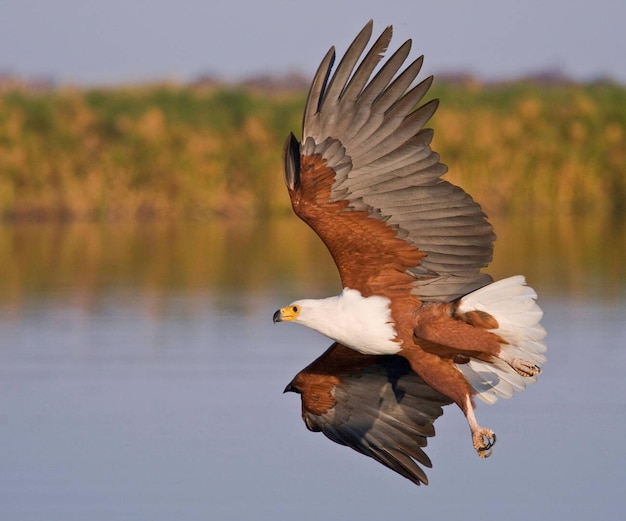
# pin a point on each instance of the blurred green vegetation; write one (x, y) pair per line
(173, 151)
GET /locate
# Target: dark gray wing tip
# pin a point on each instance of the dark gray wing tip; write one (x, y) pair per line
(291, 161)
(318, 86)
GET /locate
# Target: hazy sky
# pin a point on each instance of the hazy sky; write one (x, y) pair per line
(91, 41)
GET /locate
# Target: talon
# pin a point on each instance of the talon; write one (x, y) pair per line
(485, 451)
(484, 440)
(525, 368)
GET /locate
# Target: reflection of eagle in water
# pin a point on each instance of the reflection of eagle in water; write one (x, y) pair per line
(417, 326)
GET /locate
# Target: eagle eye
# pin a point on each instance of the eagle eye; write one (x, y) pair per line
(295, 309)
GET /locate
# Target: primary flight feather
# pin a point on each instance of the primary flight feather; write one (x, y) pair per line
(417, 325)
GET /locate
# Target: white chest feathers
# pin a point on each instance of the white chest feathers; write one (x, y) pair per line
(360, 323)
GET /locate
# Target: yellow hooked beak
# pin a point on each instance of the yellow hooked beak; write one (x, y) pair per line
(286, 314)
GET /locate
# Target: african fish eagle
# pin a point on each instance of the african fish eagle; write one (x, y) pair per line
(417, 326)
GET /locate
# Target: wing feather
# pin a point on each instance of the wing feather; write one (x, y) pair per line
(344, 70)
(365, 155)
(372, 90)
(378, 407)
(316, 92)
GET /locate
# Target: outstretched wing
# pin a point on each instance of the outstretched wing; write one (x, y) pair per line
(366, 180)
(374, 404)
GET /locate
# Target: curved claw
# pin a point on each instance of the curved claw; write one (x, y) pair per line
(524, 367)
(484, 440)
(485, 450)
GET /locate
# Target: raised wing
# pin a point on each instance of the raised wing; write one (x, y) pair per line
(366, 180)
(374, 404)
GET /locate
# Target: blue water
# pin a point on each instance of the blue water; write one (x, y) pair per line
(143, 406)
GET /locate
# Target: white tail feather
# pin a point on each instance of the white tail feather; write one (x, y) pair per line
(512, 303)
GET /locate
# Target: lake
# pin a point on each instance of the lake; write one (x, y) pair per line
(141, 378)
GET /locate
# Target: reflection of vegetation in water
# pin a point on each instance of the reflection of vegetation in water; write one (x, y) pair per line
(180, 151)
(575, 256)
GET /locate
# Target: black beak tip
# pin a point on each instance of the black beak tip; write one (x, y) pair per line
(277, 317)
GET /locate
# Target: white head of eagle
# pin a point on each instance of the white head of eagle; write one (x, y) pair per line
(361, 323)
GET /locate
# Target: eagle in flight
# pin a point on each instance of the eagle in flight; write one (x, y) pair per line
(417, 326)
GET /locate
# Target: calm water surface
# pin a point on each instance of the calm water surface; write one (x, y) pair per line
(141, 378)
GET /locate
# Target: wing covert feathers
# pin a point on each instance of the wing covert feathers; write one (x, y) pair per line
(374, 404)
(365, 156)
